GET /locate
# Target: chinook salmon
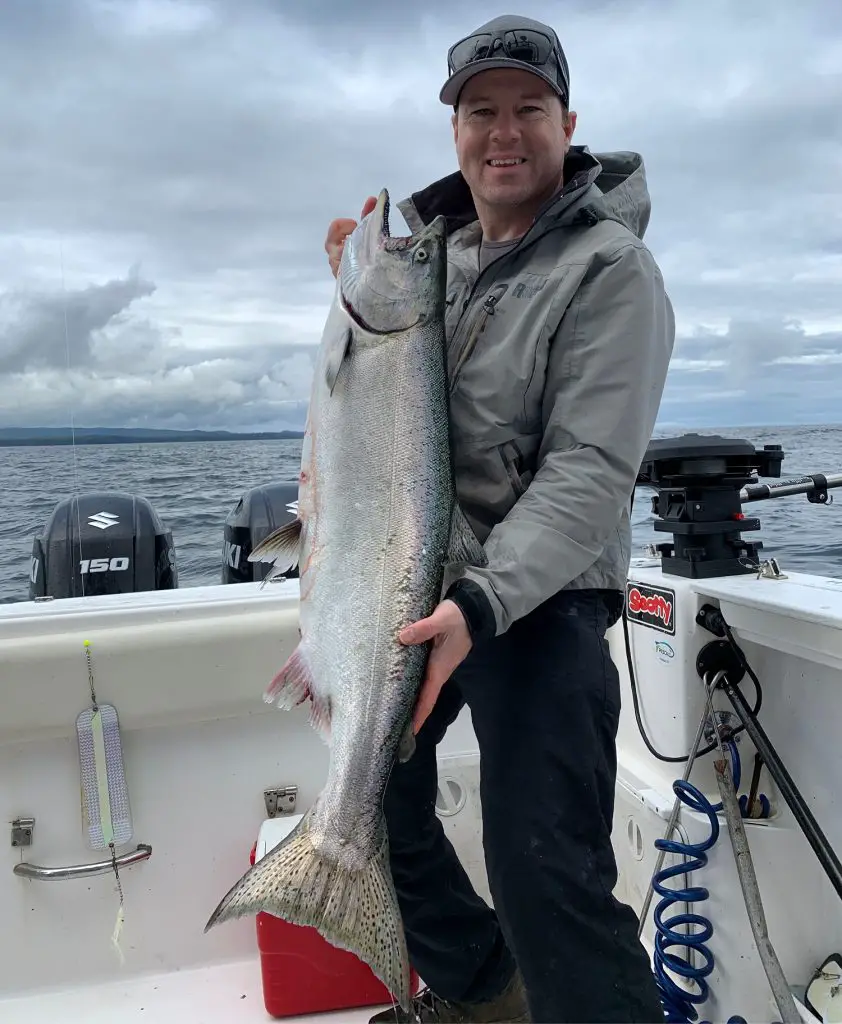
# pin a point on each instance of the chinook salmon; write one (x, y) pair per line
(377, 521)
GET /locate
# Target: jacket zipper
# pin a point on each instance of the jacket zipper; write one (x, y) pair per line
(466, 349)
(460, 361)
(487, 311)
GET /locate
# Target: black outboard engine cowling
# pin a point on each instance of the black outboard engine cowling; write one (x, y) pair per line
(258, 512)
(103, 542)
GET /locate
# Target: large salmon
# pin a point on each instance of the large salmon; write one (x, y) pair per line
(377, 522)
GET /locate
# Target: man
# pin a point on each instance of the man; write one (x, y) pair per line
(560, 335)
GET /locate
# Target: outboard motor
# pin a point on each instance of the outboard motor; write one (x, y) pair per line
(104, 542)
(258, 513)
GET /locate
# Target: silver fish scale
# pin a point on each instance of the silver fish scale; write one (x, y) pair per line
(381, 498)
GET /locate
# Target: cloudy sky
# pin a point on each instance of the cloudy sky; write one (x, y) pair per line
(169, 168)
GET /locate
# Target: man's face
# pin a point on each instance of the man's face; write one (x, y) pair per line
(512, 115)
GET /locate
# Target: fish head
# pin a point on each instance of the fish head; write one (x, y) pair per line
(389, 284)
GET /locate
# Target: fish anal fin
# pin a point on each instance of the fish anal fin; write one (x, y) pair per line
(320, 715)
(293, 685)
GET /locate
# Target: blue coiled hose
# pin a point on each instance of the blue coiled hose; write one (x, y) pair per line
(678, 1004)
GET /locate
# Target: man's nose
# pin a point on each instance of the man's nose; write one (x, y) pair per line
(505, 128)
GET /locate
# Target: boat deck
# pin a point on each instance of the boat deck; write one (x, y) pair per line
(223, 994)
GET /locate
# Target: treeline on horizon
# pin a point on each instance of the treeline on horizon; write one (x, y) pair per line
(17, 436)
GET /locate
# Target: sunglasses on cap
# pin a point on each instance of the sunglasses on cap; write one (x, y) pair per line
(527, 45)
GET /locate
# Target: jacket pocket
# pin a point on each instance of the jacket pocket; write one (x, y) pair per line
(518, 456)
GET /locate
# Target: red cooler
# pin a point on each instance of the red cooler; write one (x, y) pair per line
(302, 972)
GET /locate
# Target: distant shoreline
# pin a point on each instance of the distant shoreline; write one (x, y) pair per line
(17, 437)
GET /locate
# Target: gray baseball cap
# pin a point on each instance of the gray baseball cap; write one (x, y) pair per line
(507, 42)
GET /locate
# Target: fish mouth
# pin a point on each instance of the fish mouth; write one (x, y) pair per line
(381, 294)
(365, 326)
(380, 214)
(380, 222)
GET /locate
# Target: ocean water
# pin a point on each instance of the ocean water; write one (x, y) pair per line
(194, 486)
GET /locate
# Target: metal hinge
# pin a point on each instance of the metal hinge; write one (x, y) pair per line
(280, 800)
(22, 829)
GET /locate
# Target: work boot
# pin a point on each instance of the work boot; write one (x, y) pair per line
(428, 1008)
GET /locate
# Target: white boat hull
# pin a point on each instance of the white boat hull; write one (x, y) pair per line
(185, 670)
(791, 634)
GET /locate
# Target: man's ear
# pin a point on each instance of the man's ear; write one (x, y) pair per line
(570, 125)
(454, 121)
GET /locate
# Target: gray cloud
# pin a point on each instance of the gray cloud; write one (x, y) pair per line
(58, 329)
(210, 143)
(111, 367)
(756, 372)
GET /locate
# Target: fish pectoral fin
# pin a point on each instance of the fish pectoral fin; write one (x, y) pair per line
(463, 546)
(293, 685)
(281, 547)
(335, 357)
(353, 906)
(406, 748)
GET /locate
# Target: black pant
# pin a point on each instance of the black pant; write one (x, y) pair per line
(545, 704)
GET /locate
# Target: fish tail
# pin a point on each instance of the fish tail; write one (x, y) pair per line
(354, 910)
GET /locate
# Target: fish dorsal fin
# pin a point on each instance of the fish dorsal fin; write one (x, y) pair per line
(335, 357)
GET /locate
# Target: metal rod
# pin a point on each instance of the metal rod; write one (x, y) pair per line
(748, 878)
(102, 867)
(799, 485)
(676, 810)
(755, 783)
(751, 894)
(809, 826)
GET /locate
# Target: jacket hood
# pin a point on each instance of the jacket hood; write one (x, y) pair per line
(602, 186)
(620, 191)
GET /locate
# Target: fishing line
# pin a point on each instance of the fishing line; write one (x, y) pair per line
(72, 419)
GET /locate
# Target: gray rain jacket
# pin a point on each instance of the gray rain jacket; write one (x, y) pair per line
(558, 354)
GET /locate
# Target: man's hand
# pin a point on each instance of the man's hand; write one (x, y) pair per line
(339, 230)
(447, 629)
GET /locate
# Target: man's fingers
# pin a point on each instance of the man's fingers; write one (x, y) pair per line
(339, 230)
(336, 234)
(427, 698)
(418, 632)
(419, 718)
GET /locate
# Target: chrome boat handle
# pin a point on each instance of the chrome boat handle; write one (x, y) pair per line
(102, 867)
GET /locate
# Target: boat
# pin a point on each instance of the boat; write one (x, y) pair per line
(727, 796)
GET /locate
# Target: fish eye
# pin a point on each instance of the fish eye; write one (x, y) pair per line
(421, 255)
